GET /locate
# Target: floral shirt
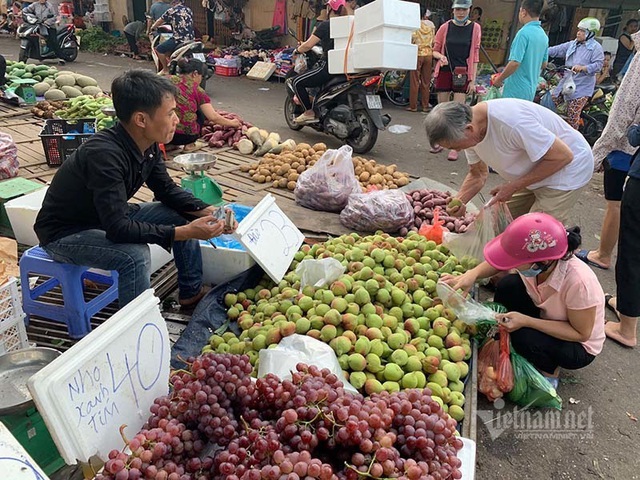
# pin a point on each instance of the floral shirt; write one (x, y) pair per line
(423, 38)
(188, 99)
(181, 20)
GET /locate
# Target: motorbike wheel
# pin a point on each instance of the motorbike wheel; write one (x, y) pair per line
(291, 111)
(593, 125)
(368, 136)
(23, 56)
(69, 54)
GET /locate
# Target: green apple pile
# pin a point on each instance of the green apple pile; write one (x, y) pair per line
(382, 317)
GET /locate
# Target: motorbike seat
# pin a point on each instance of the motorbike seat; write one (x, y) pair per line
(335, 80)
(61, 28)
(607, 88)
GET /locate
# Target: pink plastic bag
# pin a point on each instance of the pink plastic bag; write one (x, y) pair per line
(8, 157)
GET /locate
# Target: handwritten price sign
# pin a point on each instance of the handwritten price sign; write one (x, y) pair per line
(270, 237)
(108, 379)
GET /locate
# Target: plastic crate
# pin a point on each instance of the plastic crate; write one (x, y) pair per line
(227, 71)
(58, 141)
(13, 334)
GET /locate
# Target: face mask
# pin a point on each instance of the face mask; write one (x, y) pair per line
(531, 272)
(461, 22)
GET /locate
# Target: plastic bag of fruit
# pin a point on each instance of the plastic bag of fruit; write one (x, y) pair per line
(490, 222)
(530, 388)
(487, 370)
(328, 184)
(386, 210)
(294, 349)
(505, 370)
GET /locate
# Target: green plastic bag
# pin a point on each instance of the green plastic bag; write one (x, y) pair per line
(530, 388)
(485, 326)
(493, 93)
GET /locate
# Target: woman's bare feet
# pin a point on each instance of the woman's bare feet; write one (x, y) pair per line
(615, 332)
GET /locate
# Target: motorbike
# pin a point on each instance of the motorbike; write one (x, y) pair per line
(594, 115)
(188, 50)
(345, 107)
(33, 40)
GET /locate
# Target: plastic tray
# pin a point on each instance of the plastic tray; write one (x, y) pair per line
(13, 334)
(227, 71)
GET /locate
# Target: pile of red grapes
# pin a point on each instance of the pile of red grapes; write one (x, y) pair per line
(218, 423)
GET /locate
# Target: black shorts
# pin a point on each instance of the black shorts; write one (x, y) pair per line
(613, 182)
(628, 263)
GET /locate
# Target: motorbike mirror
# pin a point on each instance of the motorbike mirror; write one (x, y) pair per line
(292, 33)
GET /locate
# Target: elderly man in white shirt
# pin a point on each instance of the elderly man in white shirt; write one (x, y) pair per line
(545, 162)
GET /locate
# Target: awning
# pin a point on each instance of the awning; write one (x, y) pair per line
(609, 5)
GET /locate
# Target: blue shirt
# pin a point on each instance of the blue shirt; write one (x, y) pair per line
(529, 49)
(588, 54)
(634, 140)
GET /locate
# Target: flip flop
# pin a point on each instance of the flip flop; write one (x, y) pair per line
(584, 256)
(197, 146)
(436, 149)
(607, 299)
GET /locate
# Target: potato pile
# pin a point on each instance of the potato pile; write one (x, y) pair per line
(284, 169)
(47, 109)
(369, 173)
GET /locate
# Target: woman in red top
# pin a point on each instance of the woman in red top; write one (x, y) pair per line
(456, 47)
(193, 105)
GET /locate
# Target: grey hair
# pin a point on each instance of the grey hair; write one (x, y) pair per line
(447, 122)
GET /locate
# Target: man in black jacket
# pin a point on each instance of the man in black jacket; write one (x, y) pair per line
(86, 218)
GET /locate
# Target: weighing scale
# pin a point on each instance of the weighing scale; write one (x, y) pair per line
(197, 182)
(17, 410)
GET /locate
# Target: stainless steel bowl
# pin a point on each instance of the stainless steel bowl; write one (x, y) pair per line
(197, 161)
(15, 369)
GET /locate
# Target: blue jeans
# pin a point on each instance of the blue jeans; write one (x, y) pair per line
(132, 261)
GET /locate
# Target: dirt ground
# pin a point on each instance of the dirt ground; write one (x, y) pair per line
(596, 435)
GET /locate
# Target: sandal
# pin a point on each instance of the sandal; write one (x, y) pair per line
(584, 256)
(194, 147)
(436, 149)
(191, 303)
(453, 155)
(607, 303)
(409, 109)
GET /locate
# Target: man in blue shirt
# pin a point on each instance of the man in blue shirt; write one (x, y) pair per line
(528, 54)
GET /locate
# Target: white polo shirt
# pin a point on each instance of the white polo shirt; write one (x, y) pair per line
(519, 133)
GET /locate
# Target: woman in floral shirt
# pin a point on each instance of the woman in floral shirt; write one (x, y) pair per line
(193, 105)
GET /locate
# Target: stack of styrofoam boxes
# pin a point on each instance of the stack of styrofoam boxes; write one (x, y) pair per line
(101, 11)
(340, 30)
(381, 38)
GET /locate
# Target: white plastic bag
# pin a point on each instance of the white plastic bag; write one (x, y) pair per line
(568, 86)
(9, 164)
(294, 349)
(319, 273)
(300, 64)
(466, 309)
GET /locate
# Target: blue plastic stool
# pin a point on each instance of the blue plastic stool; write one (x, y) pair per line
(75, 313)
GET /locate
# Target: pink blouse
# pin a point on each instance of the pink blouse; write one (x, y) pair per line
(571, 286)
(474, 53)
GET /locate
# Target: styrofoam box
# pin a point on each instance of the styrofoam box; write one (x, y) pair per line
(22, 213)
(340, 27)
(384, 34)
(336, 61)
(219, 265)
(15, 462)
(388, 13)
(385, 55)
(341, 43)
(468, 458)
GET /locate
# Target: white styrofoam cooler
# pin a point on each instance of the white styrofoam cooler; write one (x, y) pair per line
(22, 213)
(387, 13)
(15, 462)
(219, 265)
(385, 55)
(384, 34)
(340, 27)
(336, 61)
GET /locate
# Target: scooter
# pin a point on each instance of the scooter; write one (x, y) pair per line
(191, 49)
(33, 40)
(346, 108)
(593, 117)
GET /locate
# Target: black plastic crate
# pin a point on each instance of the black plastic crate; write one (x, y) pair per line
(60, 138)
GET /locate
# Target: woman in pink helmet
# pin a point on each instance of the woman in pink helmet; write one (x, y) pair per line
(555, 303)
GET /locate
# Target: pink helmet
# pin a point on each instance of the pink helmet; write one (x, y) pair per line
(531, 238)
(336, 4)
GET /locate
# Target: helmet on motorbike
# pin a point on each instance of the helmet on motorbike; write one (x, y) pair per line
(531, 238)
(336, 4)
(590, 25)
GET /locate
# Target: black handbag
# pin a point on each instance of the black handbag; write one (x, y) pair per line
(459, 75)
